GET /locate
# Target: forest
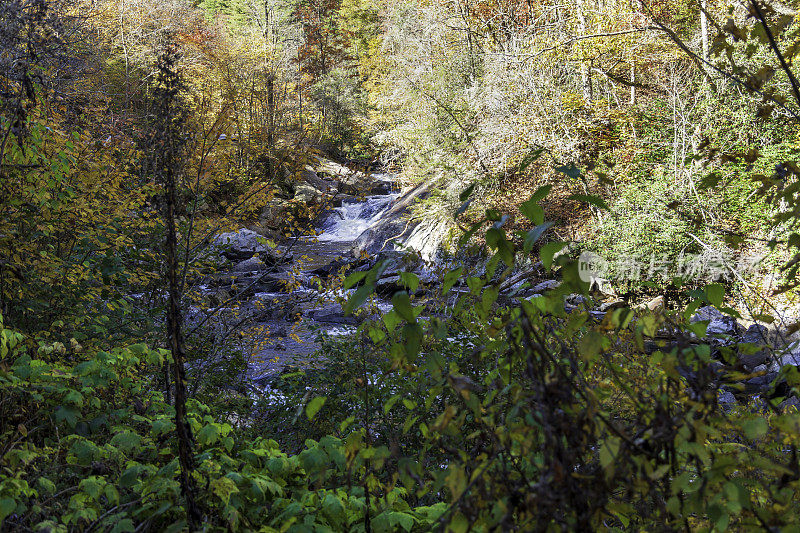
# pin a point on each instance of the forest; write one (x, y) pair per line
(399, 266)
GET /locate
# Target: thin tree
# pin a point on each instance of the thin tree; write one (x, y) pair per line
(167, 146)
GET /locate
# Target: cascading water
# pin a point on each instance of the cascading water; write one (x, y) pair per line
(346, 223)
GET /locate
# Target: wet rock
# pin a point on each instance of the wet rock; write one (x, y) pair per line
(608, 306)
(256, 281)
(243, 244)
(239, 245)
(752, 361)
(388, 286)
(341, 199)
(307, 193)
(253, 264)
(575, 300)
(723, 326)
(273, 214)
(707, 312)
(792, 402)
(756, 334)
(749, 356)
(544, 286)
(718, 322)
(399, 228)
(309, 175)
(789, 356)
(280, 331)
(655, 304)
(332, 314)
(760, 383)
(726, 398)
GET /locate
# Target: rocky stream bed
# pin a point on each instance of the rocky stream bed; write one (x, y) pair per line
(288, 305)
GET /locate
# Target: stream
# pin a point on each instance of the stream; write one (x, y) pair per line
(292, 341)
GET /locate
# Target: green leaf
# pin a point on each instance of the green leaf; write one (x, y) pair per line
(590, 199)
(129, 476)
(609, 451)
(570, 170)
(74, 397)
(410, 280)
(496, 239)
(534, 235)
(390, 403)
(127, 441)
(462, 208)
(769, 319)
(402, 304)
(66, 414)
(450, 279)
(314, 406)
(391, 320)
(715, 294)
(7, 506)
(224, 488)
(209, 434)
(531, 208)
(333, 508)
(412, 334)
(123, 526)
(530, 158)
(353, 279)
(466, 193)
(755, 427)
(358, 298)
(548, 251)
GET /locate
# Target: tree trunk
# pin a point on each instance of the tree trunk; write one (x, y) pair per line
(167, 152)
(704, 29)
(586, 79)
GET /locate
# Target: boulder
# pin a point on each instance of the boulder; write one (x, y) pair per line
(242, 244)
(332, 314)
(718, 322)
(307, 193)
(614, 304)
(273, 214)
(792, 403)
(388, 286)
(397, 227)
(575, 300)
(544, 286)
(789, 356)
(278, 331)
(726, 398)
(254, 264)
(748, 356)
(760, 383)
(655, 304)
(756, 334)
(707, 312)
(309, 175)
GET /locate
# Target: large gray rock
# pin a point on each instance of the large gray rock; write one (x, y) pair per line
(332, 314)
(546, 285)
(788, 356)
(756, 334)
(273, 214)
(398, 229)
(240, 245)
(307, 193)
(750, 356)
(253, 264)
(718, 322)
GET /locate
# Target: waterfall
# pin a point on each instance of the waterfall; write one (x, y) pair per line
(346, 223)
